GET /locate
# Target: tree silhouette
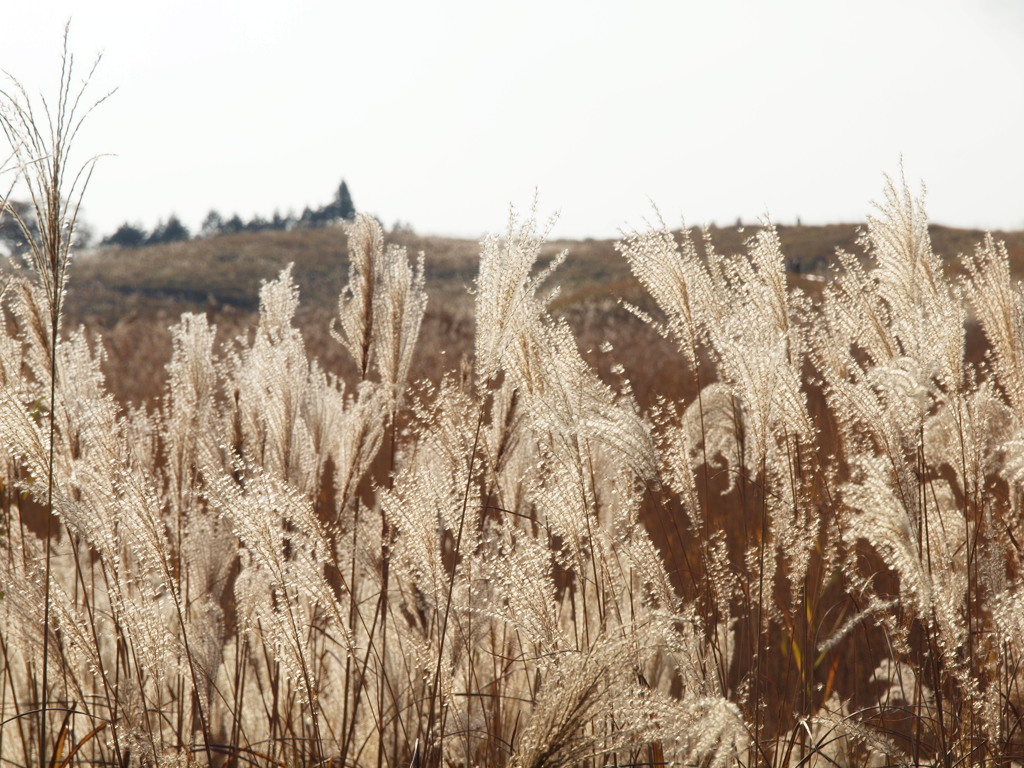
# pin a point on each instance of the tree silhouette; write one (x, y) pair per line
(281, 222)
(340, 208)
(126, 236)
(233, 226)
(344, 206)
(257, 224)
(170, 232)
(212, 225)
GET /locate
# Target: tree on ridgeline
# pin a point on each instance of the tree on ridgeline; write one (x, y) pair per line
(126, 236)
(341, 208)
(344, 206)
(172, 231)
(282, 222)
(233, 226)
(212, 224)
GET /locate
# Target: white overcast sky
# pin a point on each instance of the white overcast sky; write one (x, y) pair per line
(441, 114)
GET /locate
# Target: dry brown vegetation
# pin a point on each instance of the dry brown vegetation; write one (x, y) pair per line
(736, 494)
(130, 294)
(766, 513)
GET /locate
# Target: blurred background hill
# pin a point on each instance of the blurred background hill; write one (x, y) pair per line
(130, 295)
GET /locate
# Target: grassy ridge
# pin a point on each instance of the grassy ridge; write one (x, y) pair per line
(226, 271)
(125, 293)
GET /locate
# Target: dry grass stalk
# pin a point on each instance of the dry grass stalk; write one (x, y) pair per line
(277, 566)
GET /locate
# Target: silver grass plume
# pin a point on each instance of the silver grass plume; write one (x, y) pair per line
(283, 398)
(672, 273)
(381, 308)
(194, 427)
(999, 306)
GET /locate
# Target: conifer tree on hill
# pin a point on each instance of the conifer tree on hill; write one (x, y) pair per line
(343, 201)
(126, 236)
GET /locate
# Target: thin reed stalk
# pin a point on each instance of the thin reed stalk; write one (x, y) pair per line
(41, 144)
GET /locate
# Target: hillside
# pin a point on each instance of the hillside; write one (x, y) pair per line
(130, 296)
(226, 271)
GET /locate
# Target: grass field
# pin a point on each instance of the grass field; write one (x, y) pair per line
(706, 499)
(132, 293)
(761, 517)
